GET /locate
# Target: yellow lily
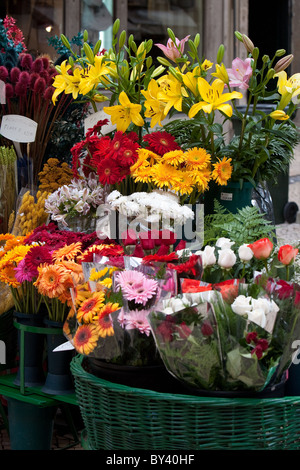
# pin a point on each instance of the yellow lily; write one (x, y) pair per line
(94, 74)
(213, 98)
(190, 81)
(124, 113)
(171, 93)
(155, 109)
(288, 88)
(73, 84)
(61, 80)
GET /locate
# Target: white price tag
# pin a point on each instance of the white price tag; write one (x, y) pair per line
(18, 128)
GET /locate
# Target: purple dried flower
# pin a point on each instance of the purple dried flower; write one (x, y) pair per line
(39, 86)
(26, 61)
(14, 74)
(3, 73)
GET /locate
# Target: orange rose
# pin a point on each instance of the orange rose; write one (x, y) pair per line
(261, 248)
(287, 254)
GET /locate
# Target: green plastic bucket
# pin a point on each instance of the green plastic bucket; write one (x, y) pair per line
(30, 426)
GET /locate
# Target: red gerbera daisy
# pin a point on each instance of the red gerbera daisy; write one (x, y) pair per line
(108, 171)
(101, 151)
(161, 142)
(118, 142)
(128, 155)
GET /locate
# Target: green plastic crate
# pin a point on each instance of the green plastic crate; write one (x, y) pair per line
(120, 417)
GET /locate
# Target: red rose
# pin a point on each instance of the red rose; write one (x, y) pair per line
(184, 331)
(297, 299)
(206, 329)
(261, 248)
(252, 336)
(284, 289)
(287, 254)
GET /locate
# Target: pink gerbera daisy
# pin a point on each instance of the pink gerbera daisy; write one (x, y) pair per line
(126, 279)
(137, 319)
(142, 291)
(24, 272)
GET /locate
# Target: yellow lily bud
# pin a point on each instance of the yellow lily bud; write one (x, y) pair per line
(279, 114)
(221, 73)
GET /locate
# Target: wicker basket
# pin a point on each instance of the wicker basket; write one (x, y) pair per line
(120, 417)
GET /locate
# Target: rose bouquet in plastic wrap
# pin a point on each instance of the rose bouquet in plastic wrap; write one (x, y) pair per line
(237, 339)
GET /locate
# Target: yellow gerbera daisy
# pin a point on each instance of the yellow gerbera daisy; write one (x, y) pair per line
(90, 307)
(222, 171)
(86, 338)
(163, 175)
(104, 322)
(184, 183)
(175, 157)
(196, 158)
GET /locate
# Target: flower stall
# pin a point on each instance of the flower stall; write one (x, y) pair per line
(177, 326)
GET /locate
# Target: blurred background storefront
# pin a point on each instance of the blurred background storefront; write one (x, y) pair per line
(271, 24)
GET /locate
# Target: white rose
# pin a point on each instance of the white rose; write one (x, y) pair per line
(208, 256)
(245, 253)
(263, 304)
(226, 258)
(241, 305)
(224, 243)
(258, 317)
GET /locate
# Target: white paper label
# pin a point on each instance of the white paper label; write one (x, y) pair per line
(18, 128)
(92, 120)
(226, 196)
(64, 347)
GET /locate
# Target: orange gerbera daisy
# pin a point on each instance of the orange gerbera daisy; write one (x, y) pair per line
(51, 279)
(74, 269)
(67, 252)
(90, 307)
(85, 339)
(222, 171)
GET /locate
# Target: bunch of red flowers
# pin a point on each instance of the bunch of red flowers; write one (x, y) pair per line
(109, 157)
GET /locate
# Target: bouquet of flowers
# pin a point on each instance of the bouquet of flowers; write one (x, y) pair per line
(108, 319)
(77, 200)
(212, 342)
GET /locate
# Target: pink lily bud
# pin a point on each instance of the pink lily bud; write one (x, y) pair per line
(173, 51)
(248, 43)
(283, 63)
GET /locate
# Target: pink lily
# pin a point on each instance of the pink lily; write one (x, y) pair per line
(173, 51)
(240, 73)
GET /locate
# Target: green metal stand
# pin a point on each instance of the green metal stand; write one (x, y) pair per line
(34, 395)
